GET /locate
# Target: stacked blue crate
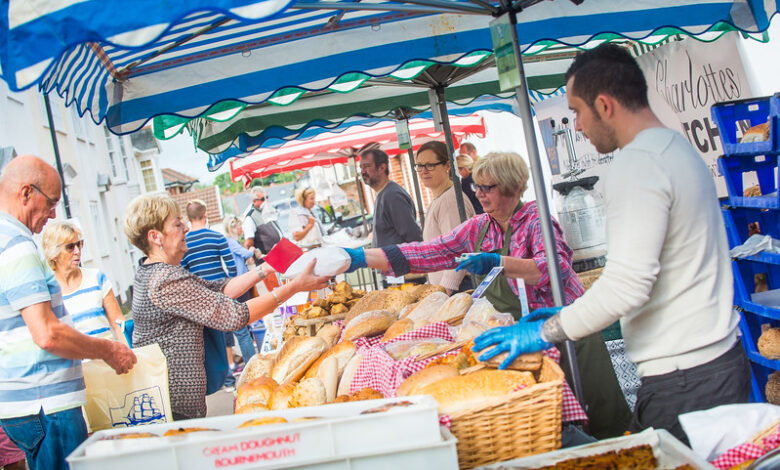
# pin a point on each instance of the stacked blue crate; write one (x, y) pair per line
(762, 158)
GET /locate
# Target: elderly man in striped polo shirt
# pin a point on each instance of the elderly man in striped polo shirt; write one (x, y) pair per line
(41, 383)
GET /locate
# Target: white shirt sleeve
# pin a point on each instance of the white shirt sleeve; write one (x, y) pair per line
(249, 227)
(638, 197)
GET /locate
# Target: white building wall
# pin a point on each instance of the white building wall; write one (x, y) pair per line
(85, 148)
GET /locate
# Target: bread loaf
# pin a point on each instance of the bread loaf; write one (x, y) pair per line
(427, 308)
(256, 392)
(398, 328)
(259, 365)
(425, 290)
(330, 333)
(280, 398)
(345, 382)
(328, 373)
(252, 408)
(417, 347)
(369, 324)
(757, 133)
(373, 300)
(769, 342)
(425, 377)
(397, 300)
(342, 352)
(454, 307)
(772, 388)
(308, 392)
(297, 354)
(467, 392)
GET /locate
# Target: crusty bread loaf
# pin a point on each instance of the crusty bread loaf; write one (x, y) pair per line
(466, 392)
(425, 377)
(297, 354)
(280, 398)
(398, 328)
(330, 333)
(427, 308)
(530, 361)
(251, 408)
(397, 300)
(345, 382)
(769, 342)
(259, 365)
(329, 374)
(343, 352)
(425, 290)
(256, 392)
(405, 311)
(308, 392)
(369, 324)
(454, 307)
(373, 300)
(263, 421)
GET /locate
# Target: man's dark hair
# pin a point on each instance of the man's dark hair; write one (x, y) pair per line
(611, 70)
(379, 156)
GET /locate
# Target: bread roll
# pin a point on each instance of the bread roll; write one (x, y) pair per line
(342, 352)
(769, 342)
(466, 392)
(308, 392)
(757, 133)
(345, 382)
(297, 354)
(329, 374)
(251, 408)
(330, 333)
(398, 328)
(280, 398)
(425, 377)
(425, 290)
(369, 324)
(263, 421)
(259, 365)
(427, 308)
(256, 392)
(454, 307)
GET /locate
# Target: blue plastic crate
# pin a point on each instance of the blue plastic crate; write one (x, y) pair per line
(733, 169)
(757, 111)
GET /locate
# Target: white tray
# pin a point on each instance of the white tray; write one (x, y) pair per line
(669, 452)
(343, 432)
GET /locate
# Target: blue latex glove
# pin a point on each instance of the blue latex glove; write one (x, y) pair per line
(480, 264)
(541, 314)
(358, 256)
(517, 339)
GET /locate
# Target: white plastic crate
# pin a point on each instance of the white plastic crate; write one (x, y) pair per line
(342, 432)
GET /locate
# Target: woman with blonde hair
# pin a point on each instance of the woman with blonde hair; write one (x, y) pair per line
(86, 292)
(171, 305)
(465, 165)
(306, 227)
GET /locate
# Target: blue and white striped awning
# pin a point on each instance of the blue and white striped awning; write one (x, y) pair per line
(127, 62)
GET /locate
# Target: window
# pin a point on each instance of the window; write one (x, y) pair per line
(111, 146)
(147, 171)
(79, 126)
(56, 112)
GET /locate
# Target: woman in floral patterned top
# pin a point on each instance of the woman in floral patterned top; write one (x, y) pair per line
(171, 305)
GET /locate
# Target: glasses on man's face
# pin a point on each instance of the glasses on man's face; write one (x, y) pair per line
(69, 247)
(261, 199)
(484, 188)
(52, 202)
(426, 166)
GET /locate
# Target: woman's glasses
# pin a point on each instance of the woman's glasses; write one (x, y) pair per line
(426, 166)
(485, 188)
(69, 247)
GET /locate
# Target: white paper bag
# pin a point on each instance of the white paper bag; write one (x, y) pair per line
(139, 397)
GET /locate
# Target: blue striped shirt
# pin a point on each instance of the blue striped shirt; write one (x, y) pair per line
(85, 304)
(30, 378)
(206, 251)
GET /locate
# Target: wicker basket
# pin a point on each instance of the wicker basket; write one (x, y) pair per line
(527, 422)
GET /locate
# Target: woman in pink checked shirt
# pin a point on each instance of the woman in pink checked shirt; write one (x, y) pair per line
(509, 234)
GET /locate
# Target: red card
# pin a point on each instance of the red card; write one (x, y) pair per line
(282, 255)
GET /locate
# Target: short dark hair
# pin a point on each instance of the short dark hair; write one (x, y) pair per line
(611, 70)
(379, 156)
(438, 148)
(467, 147)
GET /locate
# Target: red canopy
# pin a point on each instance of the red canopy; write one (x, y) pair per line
(329, 148)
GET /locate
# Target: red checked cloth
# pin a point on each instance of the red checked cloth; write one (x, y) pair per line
(747, 451)
(379, 371)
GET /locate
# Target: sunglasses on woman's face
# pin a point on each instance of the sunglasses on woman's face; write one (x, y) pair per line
(71, 246)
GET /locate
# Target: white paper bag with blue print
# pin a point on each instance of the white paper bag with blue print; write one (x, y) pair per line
(139, 397)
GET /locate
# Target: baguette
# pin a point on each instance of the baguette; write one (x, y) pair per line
(329, 375)
(342, 352)
(349, 373)
(297, 354)
(466, 392)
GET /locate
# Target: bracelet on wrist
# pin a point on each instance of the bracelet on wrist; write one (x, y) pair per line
(276, 297)
(259, 271)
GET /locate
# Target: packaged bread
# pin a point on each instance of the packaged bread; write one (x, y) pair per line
(256, 392)
(280, 398)
(330, 333)
(425, 377)
(423, 291)
(263, 421)
(454, 307)
(345, 381)
(402, 349)
(757, 133)
(470, 329)
(466, 392)
(297, 354)
(480, 311)
(342, 352)
(398, 328)
(328, 373)
(769, 342)
(427, 308)
(308, 392)
(369, 324)
(259, 365)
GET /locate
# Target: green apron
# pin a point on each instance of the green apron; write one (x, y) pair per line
(608, 413)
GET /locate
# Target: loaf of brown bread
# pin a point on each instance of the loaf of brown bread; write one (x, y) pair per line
(466, 392)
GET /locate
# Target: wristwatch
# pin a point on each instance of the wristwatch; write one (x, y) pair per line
(259, 271)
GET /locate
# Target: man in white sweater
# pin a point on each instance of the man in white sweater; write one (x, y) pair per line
(668, 274)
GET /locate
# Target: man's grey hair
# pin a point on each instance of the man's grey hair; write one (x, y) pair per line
(258, 191)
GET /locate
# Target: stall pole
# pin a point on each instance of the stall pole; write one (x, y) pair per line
(359, 189)
(441, 105)
(417, 193)
(545, 220)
